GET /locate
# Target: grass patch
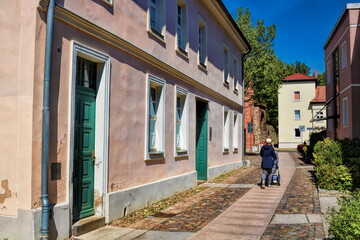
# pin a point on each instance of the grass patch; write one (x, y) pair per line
(156, 207)
(224, 176)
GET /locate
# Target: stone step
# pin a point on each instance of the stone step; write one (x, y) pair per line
(87, 225)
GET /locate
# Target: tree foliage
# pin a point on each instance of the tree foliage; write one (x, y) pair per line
(322, 79)
(297, 67)
(263, 71)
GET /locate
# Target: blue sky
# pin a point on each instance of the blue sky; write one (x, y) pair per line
(302, 25)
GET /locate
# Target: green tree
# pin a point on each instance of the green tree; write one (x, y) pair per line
(297, 67)
(322, 79)
(263, 71)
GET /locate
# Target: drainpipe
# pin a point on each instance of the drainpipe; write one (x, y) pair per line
(243, 105)
(45, 209)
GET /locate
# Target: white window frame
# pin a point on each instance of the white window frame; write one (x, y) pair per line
(226, 129)
(202, 43)
(157, 7)
(328, 72)
(319, 115)
(297, 100)
(345, 112)
(236, 121)
(181, 139)
(159, 140)
(344, 55)
(226, 65)
(182, 35)
(295, 133)
(295, 118)
(236, 73)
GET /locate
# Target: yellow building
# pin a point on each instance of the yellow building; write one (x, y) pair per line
(300, 101)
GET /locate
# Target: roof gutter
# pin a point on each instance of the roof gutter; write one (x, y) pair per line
(223, 7)
(45, 204)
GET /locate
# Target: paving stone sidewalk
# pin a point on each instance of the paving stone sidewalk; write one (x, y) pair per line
(202, 216)
(298, 215)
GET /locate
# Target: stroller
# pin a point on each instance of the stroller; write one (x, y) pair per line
(275, 171)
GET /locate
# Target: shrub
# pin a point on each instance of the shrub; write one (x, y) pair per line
(329, 169)
(354, 167)
(328, 151)
(314, 138)
(351, 158)
(350, 148)
(345, 222)
(300, 149)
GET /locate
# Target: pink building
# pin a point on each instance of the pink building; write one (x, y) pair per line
(146, 98)
(342, 59)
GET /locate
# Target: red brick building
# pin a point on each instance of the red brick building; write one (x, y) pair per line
(254, 124)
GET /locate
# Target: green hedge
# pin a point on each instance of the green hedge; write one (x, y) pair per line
(314, 138)
(345, 222)
(329, 169)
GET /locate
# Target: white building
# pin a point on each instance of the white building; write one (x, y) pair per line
(299, 101)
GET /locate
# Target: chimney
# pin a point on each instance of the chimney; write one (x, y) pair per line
(316, 73)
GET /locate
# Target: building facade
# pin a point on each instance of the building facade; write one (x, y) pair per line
(146, 98)
(300, 103)
(342, 61)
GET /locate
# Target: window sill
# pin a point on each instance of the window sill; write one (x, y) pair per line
(236, 150)
(182, 53)
(181, 152)
(226, 84)
(157, 35)
(180, 158)
(202, 66)
(155, 156)
(226, 151)
(236, 91)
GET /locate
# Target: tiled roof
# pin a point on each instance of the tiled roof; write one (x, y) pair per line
(298, 76)
(320, 95)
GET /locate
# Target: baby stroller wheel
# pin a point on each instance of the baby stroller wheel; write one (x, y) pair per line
(279, 181)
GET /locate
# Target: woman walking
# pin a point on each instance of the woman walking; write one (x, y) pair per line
(268, 155)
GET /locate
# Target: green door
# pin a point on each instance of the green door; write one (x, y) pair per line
(201, 140)
(84, 142)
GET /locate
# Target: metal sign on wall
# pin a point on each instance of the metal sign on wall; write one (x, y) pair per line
(250, 127)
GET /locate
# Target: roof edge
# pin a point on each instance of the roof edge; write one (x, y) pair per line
(223, 7)
(348, 6)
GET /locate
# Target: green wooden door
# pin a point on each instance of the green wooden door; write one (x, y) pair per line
(201, 140)
(84, 142)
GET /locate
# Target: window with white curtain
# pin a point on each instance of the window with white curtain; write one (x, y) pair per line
(156, 116)
(181, 121)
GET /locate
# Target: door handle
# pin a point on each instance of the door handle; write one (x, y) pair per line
(93, 155)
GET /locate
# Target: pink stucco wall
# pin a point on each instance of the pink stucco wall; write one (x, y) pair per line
(347, 30)
(22, 81)
(127, 165)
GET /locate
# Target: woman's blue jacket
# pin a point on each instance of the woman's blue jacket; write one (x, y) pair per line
(268, 155)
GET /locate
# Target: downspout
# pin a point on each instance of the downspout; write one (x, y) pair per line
(243, 104)
(45, 204)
